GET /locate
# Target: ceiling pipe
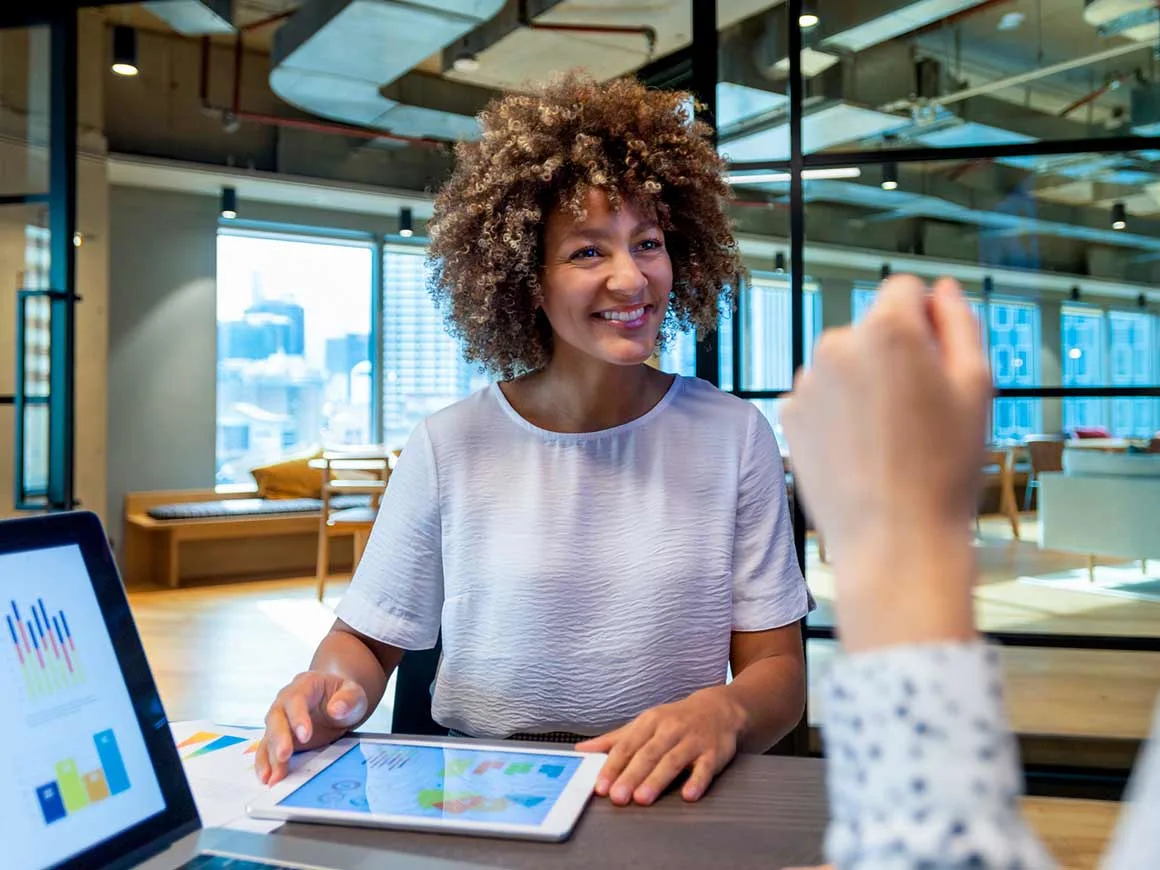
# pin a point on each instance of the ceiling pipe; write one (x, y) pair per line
(1109, 85)
(1024, 78)
(238, 114)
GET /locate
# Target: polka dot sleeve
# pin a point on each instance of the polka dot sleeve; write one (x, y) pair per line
(923, 769)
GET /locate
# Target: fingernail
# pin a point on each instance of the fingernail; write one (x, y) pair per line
(301, 731)
(692, 794)
(645, 795)
(602, 785)
(621, 794)
(340, 709)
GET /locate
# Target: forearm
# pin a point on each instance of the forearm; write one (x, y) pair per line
(923, 769)
(771, 694)
(345, 654)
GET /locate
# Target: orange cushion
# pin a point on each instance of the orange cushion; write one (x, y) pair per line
(289, 478)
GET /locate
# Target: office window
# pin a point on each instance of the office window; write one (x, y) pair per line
(1010, 332)
(767, 329)
(1133, 352)
(861, 300)
(766, 336)
(37, 358)
(294, 368)
(423, 366)
(1082, 331)
(680, 355)
(1013, 342)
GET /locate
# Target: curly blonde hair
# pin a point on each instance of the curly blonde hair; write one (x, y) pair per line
(547, 150)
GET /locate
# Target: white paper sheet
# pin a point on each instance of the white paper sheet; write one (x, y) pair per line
(219, 764)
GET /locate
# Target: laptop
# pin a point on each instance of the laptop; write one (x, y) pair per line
(90, 776)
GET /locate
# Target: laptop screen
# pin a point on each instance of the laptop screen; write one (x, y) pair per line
(75, 769)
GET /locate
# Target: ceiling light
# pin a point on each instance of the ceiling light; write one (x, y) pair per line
(779, 262)
(125, 51)
(807, 175)
(229, 203)
(808, 17)
(1119, 217)
(406, 230)
(890, 176)
(1012, 21)
(466, 62)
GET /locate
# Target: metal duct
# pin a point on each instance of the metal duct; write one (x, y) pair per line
(338, 59)
(195, 17)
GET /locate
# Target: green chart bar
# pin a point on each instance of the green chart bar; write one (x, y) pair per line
(72, 787)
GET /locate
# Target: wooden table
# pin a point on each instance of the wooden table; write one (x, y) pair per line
(762, 812)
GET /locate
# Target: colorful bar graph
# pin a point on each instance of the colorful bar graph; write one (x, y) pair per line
(96, 786)
(45, 649)
(111, 762)
(518, 769)
(72, 788)
(458, 766)
(51, 806)
(485, 766)
(71, 791)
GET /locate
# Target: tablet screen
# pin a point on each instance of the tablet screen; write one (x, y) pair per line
(433, 782)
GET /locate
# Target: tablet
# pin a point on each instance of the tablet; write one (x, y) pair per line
(461, 788)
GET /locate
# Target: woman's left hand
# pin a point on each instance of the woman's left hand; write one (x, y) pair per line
(646, 755)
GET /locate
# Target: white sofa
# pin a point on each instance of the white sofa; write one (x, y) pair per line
(1102, 504)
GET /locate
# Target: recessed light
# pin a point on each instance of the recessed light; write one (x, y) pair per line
(1012, 21)
(466, 62)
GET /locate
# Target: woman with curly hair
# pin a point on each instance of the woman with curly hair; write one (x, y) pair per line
(596, 541)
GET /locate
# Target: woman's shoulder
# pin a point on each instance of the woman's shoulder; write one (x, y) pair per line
(702, 397)
(476, 411)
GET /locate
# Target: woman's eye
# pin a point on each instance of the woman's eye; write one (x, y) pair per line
(586, 253)
(651, 245)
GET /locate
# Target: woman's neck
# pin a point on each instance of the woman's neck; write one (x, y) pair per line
(587, 398)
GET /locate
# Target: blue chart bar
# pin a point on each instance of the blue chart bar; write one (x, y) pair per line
(51, 803)
(114, 766)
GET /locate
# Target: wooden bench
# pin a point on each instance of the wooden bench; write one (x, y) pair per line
(154, 550)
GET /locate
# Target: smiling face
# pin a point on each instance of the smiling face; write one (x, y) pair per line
(606, 281)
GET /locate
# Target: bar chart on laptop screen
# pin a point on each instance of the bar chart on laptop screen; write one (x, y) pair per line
(76, 768)
(74, 786)
(45, 650)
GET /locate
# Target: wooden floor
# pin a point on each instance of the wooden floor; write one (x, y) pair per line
(1051, 692)
(221, 652)
(1004, 602)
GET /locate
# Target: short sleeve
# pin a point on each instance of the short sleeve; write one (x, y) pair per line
(396, 595)
(768, 588)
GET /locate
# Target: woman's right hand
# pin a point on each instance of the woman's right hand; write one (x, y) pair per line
(314, 710)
